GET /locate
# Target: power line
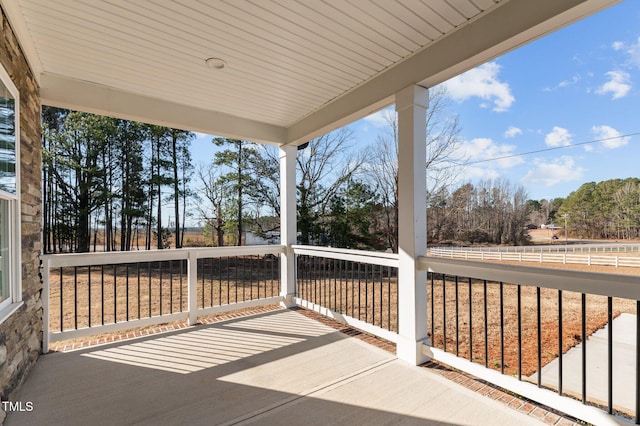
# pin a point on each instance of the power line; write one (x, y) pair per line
(547, 149)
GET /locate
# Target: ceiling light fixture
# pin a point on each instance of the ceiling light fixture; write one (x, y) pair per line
(215, 63)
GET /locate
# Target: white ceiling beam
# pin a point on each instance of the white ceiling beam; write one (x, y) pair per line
(64, 92)
(510, 25)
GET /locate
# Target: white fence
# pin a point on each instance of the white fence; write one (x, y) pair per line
(539, 257)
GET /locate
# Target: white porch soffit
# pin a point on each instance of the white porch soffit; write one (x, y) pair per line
(294, 69)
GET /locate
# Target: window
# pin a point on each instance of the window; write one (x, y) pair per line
(10, 285)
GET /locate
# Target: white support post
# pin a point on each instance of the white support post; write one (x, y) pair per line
(411, 106)
(192, 287)
(45, 306)
(288, 223)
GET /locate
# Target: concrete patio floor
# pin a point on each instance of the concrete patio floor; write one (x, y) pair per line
(278, 367)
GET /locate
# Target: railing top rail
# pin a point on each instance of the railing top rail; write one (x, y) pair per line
(121, 257)
(615, 285)
(372, 257)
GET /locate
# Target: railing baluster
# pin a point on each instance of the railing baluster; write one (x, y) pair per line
(202, 279)
(220, 280)
(457, 319)
(75, 297)
(486, 327)
(366, 293)
(211, 268)
(433, 337)
(261, 269)
(62, 301)
(115, 295)
(444, 312)
(470, 322)
(397, 297)
(150, 271)
(126, 286)
(380, 304)
(560, 342)
(89, 293)
(228, 280)
(389, 297)
(160, 265)
(637, 362)
(335, 287)
(519, 295)
(101, 294)
(238, 267)
(138, 272)
(584, 347)
(610, 354)
(501, 327)
(272, 272)
(244, 286)
(171, 287)
(359, 293)
(373, 294)
(539, 333)
(351, 285)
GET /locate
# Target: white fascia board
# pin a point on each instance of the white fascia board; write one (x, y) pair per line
(13, 13)
(509, 25)
(65, 92)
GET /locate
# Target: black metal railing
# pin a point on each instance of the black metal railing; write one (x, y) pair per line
(233, 279)
(88, 296)
(363, 291)
(92, 293)
(526, 331)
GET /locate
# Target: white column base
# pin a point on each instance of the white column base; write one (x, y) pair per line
(413, 352)
(288, 301)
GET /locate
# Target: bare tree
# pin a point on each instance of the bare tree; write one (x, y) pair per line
(212, 210)
(323, 168)
(443, 138)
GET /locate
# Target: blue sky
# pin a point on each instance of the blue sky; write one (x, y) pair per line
(575, 86)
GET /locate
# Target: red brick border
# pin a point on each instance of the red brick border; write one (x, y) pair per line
(68, 345)
(545, 414)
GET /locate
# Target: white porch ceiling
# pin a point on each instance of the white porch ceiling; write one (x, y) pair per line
(294, 69)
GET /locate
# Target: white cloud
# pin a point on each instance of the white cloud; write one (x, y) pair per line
(558, 137)
(612, 137)
(552, 172)
(472, 173)
(634, 53)
(564, 83)
(512, 132)
(618, 85)
(617, 45)
(481, 149)
(380, 118)
(574, 80)
(482, 82)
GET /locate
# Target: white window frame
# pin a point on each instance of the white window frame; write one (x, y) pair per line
(14, 264)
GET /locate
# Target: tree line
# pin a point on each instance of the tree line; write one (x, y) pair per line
(105, 181)
(608, 209)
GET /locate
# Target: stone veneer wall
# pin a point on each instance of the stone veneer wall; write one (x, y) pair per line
(21, 334)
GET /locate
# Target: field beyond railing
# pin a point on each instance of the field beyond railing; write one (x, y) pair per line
(564, 255)
(359, 287)
(508, 323)
(94, 293)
